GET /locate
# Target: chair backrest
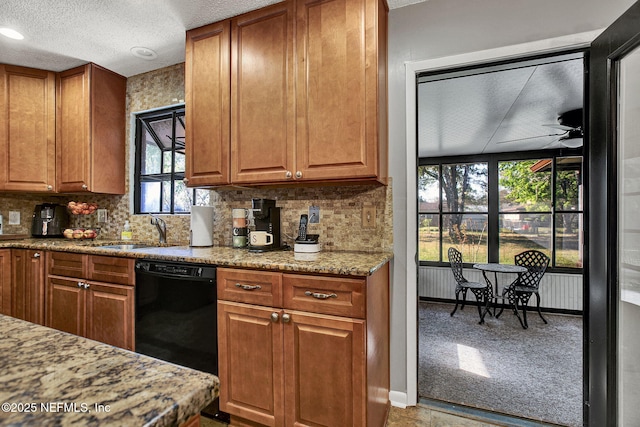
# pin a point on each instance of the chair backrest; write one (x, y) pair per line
(455, 259)
(536, 263)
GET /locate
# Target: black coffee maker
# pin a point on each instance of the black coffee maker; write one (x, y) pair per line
(267, 223)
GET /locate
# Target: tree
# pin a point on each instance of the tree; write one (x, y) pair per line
(532, 188)
(462, 185)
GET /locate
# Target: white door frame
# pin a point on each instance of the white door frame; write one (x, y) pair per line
(547, 46)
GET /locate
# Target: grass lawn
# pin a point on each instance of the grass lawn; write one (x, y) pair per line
(474, 246)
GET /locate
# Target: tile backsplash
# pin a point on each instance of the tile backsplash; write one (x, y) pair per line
(340, 226)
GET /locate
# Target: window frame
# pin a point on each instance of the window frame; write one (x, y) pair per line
(177, 114)
(493, 232)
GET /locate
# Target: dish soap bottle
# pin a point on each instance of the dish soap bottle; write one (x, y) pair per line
(126, 234)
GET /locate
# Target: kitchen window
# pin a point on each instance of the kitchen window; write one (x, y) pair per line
(495, 206)
(160, 165)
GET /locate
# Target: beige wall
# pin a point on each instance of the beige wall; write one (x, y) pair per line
(340, 226)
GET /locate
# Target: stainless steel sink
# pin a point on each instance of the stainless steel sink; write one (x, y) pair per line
(125, 247)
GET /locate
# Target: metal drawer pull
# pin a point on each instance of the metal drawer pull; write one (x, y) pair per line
(318, 295)
(248, 287)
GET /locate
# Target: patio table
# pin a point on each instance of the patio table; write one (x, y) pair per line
(496, 268)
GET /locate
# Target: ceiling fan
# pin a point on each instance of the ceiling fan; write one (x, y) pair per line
(570, 123)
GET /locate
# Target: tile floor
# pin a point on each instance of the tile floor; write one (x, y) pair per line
(418, 416)
(426, 417)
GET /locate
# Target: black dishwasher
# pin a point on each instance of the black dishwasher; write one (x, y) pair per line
(176, 316)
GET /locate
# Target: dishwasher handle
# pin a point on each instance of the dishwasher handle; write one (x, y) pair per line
(142, 271)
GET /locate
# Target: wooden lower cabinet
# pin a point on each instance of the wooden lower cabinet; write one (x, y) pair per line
(5, 282)
(101, 311)
(27, 285)
(325, 374)
(250, 362)
(281, 366)
(91, 308)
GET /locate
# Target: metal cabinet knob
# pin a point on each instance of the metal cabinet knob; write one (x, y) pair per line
(36, 255)
(49, 187)
(274, 317)
(79, 284)
(286, 318)
(185, 180)
(298, 174)
(86, 285)
(84, 186)
(288, 174)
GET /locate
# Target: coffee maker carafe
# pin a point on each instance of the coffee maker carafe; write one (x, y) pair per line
(265, 236)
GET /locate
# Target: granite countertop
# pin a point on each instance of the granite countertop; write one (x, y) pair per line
(48, 377)
(338, 262)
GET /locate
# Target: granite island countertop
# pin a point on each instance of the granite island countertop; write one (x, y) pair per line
(52, 378)
(324, 262)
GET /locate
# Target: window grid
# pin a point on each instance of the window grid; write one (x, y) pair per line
(166, 176)
(494, 212)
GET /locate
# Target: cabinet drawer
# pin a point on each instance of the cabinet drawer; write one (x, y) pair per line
(66, 264)
(325, 295)
(251, 287)
(111, 269)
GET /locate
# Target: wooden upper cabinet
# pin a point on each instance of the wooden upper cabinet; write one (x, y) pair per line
(90, 129)
(341, 89)
(27, 129)
(207, 93)
(304, 98)
(262, 95)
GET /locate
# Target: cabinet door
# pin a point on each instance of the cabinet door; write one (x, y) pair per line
(262, 95)
(5, 282)
(207, 93)
(66, 305)
(110, 314)
(250, 362)
(337, 89)
(27, 129)
(324, 359)
(28, 282)
(90, 126)
(73, 129)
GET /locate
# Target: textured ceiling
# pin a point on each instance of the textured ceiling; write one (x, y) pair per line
(62, 34)
(498, 111)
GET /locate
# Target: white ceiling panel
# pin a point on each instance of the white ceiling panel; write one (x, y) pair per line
(498, 111)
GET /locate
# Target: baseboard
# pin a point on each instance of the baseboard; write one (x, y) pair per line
(398, 399)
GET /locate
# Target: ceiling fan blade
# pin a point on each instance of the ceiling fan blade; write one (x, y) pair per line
(560, 127)
(531, 137)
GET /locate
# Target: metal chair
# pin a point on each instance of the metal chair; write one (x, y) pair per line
(528, 283)
(480, 290)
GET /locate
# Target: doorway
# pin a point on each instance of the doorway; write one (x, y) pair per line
(484, 134)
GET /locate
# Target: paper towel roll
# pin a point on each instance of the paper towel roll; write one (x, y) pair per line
(201, 232)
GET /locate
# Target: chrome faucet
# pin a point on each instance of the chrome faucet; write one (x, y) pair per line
(162, 228)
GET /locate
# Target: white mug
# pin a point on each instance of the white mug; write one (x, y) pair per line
(239, 213)
(261, 238)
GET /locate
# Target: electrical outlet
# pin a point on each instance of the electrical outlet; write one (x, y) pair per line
(368, 217)
(14, 217)
(102, 215)
(314, 214)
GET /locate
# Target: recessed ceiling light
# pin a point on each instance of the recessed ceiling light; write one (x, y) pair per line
(144, 53)
(12, 34)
